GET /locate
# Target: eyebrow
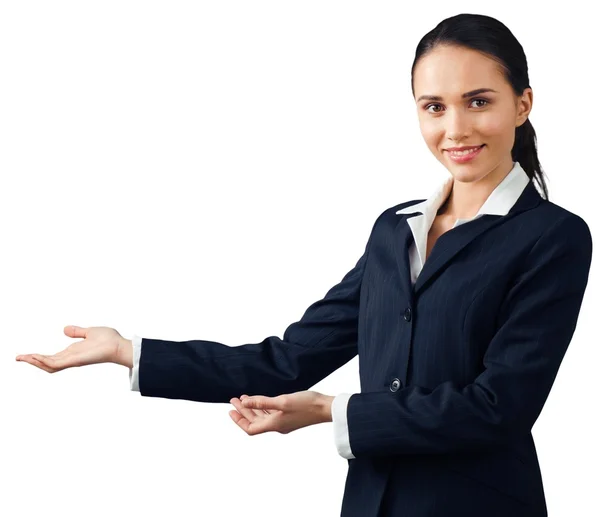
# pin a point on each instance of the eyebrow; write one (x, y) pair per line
(472, 93)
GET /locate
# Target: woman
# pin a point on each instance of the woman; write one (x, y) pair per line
(460, 310)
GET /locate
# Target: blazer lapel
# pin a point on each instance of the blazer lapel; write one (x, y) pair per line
(403, 237)
(452, 241)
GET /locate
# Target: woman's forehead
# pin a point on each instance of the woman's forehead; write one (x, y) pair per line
(455, 71)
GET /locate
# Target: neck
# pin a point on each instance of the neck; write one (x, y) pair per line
(467, 198)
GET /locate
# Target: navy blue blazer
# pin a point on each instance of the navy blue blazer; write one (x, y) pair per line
(454, 371)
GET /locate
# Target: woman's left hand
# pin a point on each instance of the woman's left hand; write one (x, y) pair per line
(284, 414)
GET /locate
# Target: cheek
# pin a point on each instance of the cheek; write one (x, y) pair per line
(495, 126)
(432, 133)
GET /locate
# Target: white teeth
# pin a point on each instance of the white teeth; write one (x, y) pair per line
(462, 153)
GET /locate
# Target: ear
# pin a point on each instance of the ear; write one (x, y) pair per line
(524, 105)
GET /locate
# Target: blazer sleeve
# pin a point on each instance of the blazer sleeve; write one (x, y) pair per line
(536, 322)
(323, 340)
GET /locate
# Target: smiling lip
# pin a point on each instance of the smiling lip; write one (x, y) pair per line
(465, 148)
(465, 158)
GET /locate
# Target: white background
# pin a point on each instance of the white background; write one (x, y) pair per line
(207, 170)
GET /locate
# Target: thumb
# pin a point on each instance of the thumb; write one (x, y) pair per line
(260, 402)
(75, 331)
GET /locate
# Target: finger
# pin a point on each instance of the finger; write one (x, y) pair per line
(248, 413)
(66, 351)
(240, 420)
(44, 365)
(261, 402)
(36, 362)
(251, 428)
(25, 358)
(57, 362)
(69, 330)
(257, 411)
(262, 425)
(75, 331)
(50, 362)
(60, 361)
(58, 355)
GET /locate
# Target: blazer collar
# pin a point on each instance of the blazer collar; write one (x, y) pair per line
(496, 210)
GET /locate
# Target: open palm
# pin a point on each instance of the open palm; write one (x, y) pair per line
(99, 345)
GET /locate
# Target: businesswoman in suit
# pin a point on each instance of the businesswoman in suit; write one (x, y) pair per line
(460, 310)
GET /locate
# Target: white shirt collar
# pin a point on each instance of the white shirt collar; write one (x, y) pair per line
(499, 202)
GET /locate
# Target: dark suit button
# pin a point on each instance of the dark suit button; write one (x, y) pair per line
(407, 314)
(395, 385)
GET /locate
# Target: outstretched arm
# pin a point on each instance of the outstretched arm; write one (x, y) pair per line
(324, 339)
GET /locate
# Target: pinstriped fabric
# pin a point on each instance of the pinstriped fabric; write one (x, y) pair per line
(488, 328)
(492, 313)
(324, 339)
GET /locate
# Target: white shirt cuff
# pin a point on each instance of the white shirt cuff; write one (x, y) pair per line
(134, 373)
(340, 425)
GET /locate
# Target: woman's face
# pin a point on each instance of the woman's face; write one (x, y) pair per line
(485, 118)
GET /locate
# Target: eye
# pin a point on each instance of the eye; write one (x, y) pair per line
(481, 100)
(428, 106)
(485, 101)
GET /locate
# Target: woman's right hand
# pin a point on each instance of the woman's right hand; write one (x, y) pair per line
(99, 345)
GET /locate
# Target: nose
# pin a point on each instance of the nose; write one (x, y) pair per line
(458, 125)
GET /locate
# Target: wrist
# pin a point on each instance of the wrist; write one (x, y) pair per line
(325, 407)
(125, 353)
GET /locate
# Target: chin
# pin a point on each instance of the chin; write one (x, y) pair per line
(465, 176)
